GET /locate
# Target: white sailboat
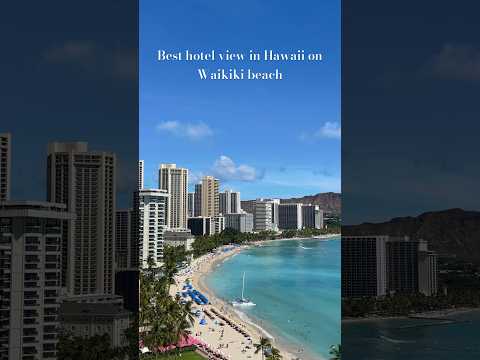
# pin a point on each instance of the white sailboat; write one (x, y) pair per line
(243, 301)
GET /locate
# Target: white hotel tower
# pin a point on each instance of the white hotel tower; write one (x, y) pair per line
(153, 221)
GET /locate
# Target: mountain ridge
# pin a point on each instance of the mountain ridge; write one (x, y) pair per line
(450, 232)
(330, 202)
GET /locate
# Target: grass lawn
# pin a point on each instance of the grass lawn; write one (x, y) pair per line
(187, 355)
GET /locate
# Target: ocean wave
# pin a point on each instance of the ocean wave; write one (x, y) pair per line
(246, 319)
(395, 341)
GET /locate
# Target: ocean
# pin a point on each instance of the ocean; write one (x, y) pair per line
(397, 339)
(295, 285)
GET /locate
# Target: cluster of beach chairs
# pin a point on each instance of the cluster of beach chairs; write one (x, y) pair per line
(231, 323)
(210, 353)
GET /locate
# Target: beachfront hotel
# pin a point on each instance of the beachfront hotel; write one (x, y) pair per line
(380, 265)
(30, 272)
(290, 216)
(312, 216)
(241, 222)
(175, 181)
(152, 224)
(86, 181)
(201, 226)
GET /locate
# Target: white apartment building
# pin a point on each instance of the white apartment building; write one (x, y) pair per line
(85, 181)
(175, 181)
(30, 278)
(5, 165)
(263, 215)
(218, 224)
(153, 221)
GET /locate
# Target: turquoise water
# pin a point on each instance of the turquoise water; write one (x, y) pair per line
(401, 339)
(296, 286)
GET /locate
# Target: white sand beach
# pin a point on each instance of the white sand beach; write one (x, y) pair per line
(217, 333)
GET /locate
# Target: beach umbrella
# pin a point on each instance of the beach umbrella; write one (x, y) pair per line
(203, 321)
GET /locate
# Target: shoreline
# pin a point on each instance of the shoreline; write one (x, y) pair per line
(443, 314)
(205, 264)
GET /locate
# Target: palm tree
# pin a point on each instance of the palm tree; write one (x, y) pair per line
(263, 345)
(335, 352)
(274, 354)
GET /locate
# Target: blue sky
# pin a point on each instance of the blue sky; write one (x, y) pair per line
(262, 138)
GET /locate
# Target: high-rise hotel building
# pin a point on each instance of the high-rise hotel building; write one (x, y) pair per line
(210, 196)
(381, 265)
(290, 216)
(175, 181)
(364, 266)
(152, 223)
(5, 165)
(30, 278)
(85, 181)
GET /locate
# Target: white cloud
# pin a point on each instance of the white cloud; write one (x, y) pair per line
(193, 131)
(329, 130)
(225, 169)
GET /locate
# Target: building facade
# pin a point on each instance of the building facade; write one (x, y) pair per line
(229, 202)
(152, 224)
(197, 201)
(90, 319)
(290, 216)
(312, 217)
(175, 181)
(182, 238)
(210, 196)
(30, 278)
(218, 224)
(85, 181)
(263, 215)
(364, 266)
(427, 271)
(201, 226)
(191, 204)
(124, 236)
(141, 172)
(241, 222)
(5, 165)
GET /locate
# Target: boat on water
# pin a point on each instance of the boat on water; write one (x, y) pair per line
(242, 301)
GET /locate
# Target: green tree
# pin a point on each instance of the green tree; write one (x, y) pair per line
(263, 345)
(98, 347)
(274, 354)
